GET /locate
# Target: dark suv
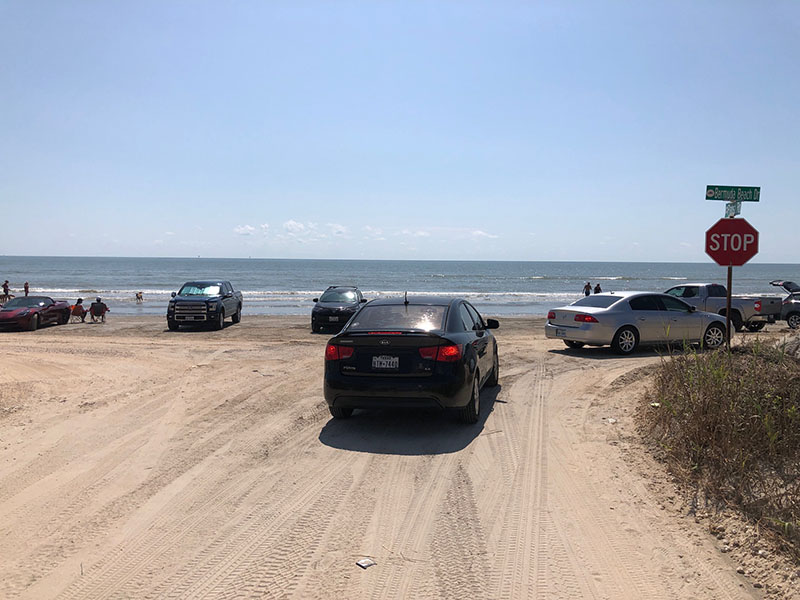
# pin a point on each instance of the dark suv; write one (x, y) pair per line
(335, 307)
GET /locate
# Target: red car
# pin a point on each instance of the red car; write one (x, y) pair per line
(29, 312)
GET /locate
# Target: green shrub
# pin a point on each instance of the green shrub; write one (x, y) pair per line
(730, 421)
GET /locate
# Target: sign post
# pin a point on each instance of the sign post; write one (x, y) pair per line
(731, 243)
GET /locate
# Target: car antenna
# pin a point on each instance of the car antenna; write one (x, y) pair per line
(405, 299)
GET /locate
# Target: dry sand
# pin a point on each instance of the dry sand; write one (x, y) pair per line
(141, 463)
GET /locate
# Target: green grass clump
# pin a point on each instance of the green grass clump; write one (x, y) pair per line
(730, 422)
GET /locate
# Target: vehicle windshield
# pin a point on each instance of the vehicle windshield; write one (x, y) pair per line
(342, 296)
(27, 302)
(199, 289)
(597, 301)
(388, 317)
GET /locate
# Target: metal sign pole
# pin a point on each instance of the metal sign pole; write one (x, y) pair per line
(728, 308)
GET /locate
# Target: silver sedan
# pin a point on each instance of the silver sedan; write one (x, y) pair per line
(624, 320)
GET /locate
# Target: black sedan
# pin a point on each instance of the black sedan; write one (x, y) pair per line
(335, 307)
(412, 352)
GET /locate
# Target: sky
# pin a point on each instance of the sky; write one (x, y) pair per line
(550, 130)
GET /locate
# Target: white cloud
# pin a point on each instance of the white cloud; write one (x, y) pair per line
(244, 230)
(294, 227)
(264, 228)
(482, 234)
(338, 230)
(415, 233)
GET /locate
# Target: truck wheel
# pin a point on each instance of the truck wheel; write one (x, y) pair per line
(793, 320)
(172, 324)
(755, 326)
(625, 340)
(714, 336)
(237, 316)
(736, 320)
(220, 322)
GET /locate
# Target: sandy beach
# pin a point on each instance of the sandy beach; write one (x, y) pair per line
(141, 463)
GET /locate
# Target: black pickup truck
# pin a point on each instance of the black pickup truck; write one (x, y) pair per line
(207, 302)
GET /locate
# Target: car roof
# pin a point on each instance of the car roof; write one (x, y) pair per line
(206, 281)
(419, 300)
(341, 287)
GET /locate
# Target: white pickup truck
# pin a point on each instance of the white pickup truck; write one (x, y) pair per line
(752, 312)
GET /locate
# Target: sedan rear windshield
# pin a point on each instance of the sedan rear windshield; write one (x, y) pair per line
(388, 317)
(597, 301)
(198, 289)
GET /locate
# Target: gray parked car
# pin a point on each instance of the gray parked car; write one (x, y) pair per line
(624, 320)
(790, 308)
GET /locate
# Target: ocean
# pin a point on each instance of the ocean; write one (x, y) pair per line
(287, 286)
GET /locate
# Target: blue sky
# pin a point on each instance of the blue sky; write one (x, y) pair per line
(442, 130)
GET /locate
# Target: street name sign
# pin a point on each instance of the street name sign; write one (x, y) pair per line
(731, 193)
(731, 242)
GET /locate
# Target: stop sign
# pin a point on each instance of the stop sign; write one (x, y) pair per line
(731, 242)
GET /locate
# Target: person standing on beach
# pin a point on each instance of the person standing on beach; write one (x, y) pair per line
(5, 288)
(25, 287)
(587, 289)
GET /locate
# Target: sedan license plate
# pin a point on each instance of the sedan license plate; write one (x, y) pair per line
(386, 362)
(561, 333)
(333, 319)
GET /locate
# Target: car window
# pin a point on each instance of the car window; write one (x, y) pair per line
(684, 291)
(597, 301)
(28, 302)
(466, 319)
(346, 296)
(388, 317)
(644, 303)
(674, 304)
(476, 317)
(717, 291)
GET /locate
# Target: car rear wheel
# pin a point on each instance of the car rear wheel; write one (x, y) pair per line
(573, 344)
(793, 320)
(64, 318)
(494, 378)
(33, 325)
(625, 340)
(338, 412)
(755, 326)
(470, 413)
(714, 336)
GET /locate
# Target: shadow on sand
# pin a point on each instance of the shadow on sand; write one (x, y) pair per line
(409, 432)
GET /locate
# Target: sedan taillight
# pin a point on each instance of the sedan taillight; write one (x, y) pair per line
(441, 353)
(585, 318)
(551, 314)
(334, 352)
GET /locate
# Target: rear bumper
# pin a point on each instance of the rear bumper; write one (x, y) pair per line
(435, 391)
(594, 334)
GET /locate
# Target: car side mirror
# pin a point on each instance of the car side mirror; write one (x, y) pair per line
(492, 324)
(363, 300)
(228, 295)
(316, 299)
(174, 294)
(692, 308)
